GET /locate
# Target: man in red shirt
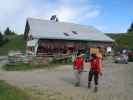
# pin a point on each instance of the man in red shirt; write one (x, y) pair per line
(78, 68)
(95, 70)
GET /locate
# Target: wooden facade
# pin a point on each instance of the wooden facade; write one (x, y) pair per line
(54, 46)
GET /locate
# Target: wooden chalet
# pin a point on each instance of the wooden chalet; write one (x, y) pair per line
(53, 37)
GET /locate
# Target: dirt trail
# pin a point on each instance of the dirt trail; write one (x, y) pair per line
(115, 84)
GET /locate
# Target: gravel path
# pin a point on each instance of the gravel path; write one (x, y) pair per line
(115, 84)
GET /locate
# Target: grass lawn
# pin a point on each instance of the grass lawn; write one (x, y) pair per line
(22, 67)
(15, 43)
(8, 92)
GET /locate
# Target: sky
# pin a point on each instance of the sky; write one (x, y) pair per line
(109, 16)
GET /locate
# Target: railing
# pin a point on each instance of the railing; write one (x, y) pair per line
(54, 56)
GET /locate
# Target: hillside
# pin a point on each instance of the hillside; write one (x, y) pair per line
(123, 40)
(14, 43)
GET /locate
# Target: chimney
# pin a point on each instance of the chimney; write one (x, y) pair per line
(54, 18)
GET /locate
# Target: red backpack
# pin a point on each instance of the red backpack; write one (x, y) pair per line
(95, 64)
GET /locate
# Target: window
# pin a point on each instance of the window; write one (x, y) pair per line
(66, 34)
(74, 32)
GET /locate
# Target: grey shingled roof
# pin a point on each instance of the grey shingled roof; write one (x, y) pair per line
(48, 29)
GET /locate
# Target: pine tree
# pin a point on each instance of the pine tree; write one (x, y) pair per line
(1, 38)
(131, 28)
(7, 31)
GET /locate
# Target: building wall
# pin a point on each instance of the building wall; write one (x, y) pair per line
(64, 46)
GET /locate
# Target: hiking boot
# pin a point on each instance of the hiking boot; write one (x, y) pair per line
(89, 85)
(95, 89)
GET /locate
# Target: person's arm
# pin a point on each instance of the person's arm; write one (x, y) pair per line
(74, 64)
(82, 66)
(100, 66)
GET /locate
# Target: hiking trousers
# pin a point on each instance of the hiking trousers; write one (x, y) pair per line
(78, 75)
(92, 74)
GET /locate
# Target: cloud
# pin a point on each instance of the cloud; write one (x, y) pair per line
(75, 11)
(64, 13)
(10, 7)
(101, 27)
(93, 13)
(14, 12)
